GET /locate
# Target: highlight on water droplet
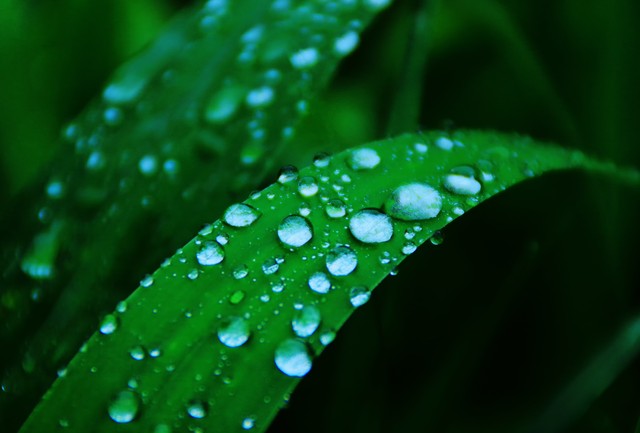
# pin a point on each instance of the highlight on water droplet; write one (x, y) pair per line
(414, 202)
(240, 215)
(341, 261)
(295, 231)
(371, 226)
(124, 407)
(292, 358)
(306, 321)
(234, 332)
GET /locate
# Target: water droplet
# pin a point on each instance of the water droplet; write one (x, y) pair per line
(154, 353)
(409, 248)
(420, 147)
(222, 238)
(319, 283)
(377, 4)
(270, 266)
(137, 353)
(305, 58)
(234, 332)
(363, 159)
(444, 143)
(287, 174)
(55, 189)
(240, 215)
(306, 321)
(304, 210)
(437, 238)
(414, 202)
(125, 88)
(371, 226)
(109, 324)
(124, 407)
(307, 186)
(224, 104)
(346, 43)
(112, 116)
(260, 97)
(193, 274)
(147, 281)
(197, 409)
(248, 423)
(341, 261)
(295, 231)
(335, 208)
(240, 272)
(292, 358)
(327, 338)
(359, 296)
(462, 184)
(210, 253)
(321, 159)
(148, 165)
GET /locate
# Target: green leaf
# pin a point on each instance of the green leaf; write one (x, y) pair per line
(220, 335)
(198, 118)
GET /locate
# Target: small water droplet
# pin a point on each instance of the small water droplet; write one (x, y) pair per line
(363, 159)
(421, 147)
(306, 321)
(371, 226)
(327, 338)
(359, 296)
(305, 58)
(55, 189)
(234, 332)
(124, 407)
(409, 248)
(147, 281)
(240, 272)
(341, 261)
(222, 238)
(193, 274)
(224, 104)
(444, 143)
(335, 208)
(462, 184)
(270, 266)
(260, 97)
(248, 423)
(109, 324)
(346, 43)
(295, 231)
(414, 202)
(138, 353)
(307, 186)
(287, 174)
(210, 253)
(240, 215)
(437, 238)
(112, 116)
(197, 409)
(148, 165)
(321, 159)
(292, 358)
(319, 283)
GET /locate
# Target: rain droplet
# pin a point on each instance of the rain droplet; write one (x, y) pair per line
(414, 202)
(462, 184)
(321, 159)
(240, 215)
(240, 272)
(346, 43)
(147, 281)
(359, 296)
(335, 208)
(55, 189)
(260, 97)
(148, 165)
(193, 274)
(292, 358)
(444, 143)
(327, 338)
(295, 231)
(341, 261)
(363, 159)
(371, 226)
(307, 186)
(109, 324)
(319, 283)
(287, 174)
(210, 253)
(124, 407)
(224, 104)
(197, 409)
(409, 248)
(112, 116)
(270, 266)
(305, 58)
(437, 238)
(234, 332)
(248, 423)
(137, 353)
(306, 321)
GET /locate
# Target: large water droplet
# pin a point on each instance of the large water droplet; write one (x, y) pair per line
(295, 231)
(240, 215)
(363, 159)
(234, 332)
(319, 283)
(306, 321)
(292, 358)
(210, 253)
(341, 261)
(414, 202)
(124, 407)
(359, 296)
(371, 226)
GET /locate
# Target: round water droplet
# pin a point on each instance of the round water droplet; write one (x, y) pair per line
(240, 272)
(307, 186)
(346, 43)
(234, 332)
(295, 231)
(371, 226)
(197, 409)
(270, 266)
(341, 261)
(210, 253)
(260, 97)
(292, 358)
(248, 423)
(409, 248)
(437, 238)
(363, 159)
(148, 165)
(359, 296)
(124, 407)
(55, 189)
(461, 184)
(240, 215)
(335, 208)
(321, 159)
(306, 321)
(287, 174)
(327, 338)
(414, 202)
(224, 104)
(112, 116)
(193, 274)
(319, 283)
(109, 324)
(138, 353)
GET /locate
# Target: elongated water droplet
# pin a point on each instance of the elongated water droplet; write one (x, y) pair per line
(306, 321)
(210, 253)
(234, 332)
(319, 283)
(346, 43)
(363, 159)
(414, 202)
(371, 226)
(305, 58)
(240, 215)
(292, 358)
(147, 281)
(295, 231)
(260, 97)
(124, 407)
(359, 296)
(461, 184)
(341, 261)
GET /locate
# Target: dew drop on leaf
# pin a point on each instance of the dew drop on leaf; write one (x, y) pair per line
(462, 184)
(210, 253)
(197, 409)
(287, 174)
(306, 321)
(292, 358)
(327, 338)
(359, 296)
(307, 186)
(346, 43)
(371, 226)
(248, 423)
(414, 202)
(240, 215)
(147, 281)
(295, 231)
(335, 208)
(234, 332)
(319, 283)
(363, 159)
(124, 407)
(305, 58)
(341, 261)
(240, 272)
(109, 324)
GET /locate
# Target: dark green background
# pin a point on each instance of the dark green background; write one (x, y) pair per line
(482, 333)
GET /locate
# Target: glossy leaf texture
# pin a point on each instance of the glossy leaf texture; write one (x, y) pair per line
(220, 335)
(196, 119)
